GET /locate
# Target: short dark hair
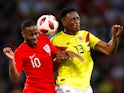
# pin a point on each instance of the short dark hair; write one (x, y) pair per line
(64, 12)
(27, 23)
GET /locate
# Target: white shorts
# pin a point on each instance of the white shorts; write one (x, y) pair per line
(68, 89)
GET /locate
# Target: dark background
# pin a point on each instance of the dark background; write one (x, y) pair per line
(97, 16)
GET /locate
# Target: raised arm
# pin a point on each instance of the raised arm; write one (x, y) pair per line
(110, 47)
(13, 73)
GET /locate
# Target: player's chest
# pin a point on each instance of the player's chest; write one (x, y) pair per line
(36, 58)
(73, 41)
(76, 44)
(40, 52)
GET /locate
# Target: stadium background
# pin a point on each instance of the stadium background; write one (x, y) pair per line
(97, 16)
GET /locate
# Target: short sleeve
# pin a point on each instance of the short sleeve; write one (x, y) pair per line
(93, 40)
(18, 61)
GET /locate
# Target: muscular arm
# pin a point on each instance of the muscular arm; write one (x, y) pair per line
(13, 73)
(107, 48)
(110, 47)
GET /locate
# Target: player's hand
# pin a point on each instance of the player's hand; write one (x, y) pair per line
(117, 30)
(71, 55)
(61, 55)
(9, 53)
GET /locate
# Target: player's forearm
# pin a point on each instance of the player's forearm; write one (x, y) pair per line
(13, 74)
(113, 45)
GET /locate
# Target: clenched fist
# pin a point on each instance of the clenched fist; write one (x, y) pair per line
(117, 30)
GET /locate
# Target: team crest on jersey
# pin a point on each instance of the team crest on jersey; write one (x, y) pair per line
(47, 49)
(80, 38)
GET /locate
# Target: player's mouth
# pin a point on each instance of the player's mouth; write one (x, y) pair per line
(77, 27)
(34, 42)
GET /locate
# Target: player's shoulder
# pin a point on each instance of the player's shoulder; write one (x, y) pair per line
(83, 31)
(42, 36)
(20, 48)
(57, 35)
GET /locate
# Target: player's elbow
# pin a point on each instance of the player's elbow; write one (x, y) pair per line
(14, 80)
(109, 53)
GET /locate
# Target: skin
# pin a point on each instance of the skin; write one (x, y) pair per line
(30, 35)
(71, 23)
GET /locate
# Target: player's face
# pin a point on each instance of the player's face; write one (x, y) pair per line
(71, 22)
(30, 35)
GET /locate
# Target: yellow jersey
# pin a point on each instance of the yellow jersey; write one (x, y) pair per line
(76, 74)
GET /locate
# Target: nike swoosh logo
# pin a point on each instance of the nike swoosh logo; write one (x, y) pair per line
(32, 56)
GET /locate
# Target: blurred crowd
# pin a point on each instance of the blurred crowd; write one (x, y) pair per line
(97, 16)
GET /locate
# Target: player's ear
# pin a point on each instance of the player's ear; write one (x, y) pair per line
(63, 22)
(22, 34)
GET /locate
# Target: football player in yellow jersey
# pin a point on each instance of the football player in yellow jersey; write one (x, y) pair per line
(74, 76)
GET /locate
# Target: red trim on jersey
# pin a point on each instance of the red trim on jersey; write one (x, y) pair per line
(87, 37)
(61, 48)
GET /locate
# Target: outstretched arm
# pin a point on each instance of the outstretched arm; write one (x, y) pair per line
(13, 73)
(63, 55)
(110, 47)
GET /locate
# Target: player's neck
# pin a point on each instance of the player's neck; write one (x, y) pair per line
(70, 32)
(30, 45)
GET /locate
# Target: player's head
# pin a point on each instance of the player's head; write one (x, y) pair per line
(30, 32)
(70, 20)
